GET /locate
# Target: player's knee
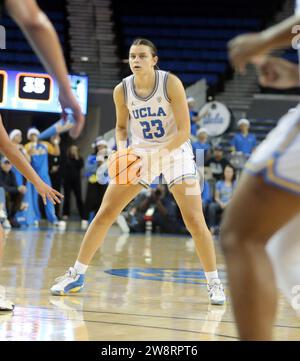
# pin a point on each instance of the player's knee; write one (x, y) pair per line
(106, 215)
(230, 235)
(194, 223)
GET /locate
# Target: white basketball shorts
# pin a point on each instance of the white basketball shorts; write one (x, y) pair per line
(277, 158)
(175, 167)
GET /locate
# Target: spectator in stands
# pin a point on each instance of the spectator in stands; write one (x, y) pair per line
(55, 170)
(38, 151)
(194, 117)
(95, 191)
(217, 163)
(223, 194)
(203, 144)
(13, 193)
(165, 216)
(243, 141)
(206, 197)
(16, 138)
(72, 181)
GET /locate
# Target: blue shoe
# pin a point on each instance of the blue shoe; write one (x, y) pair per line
(70, 282)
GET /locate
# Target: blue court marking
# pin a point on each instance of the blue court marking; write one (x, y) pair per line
(176, 275)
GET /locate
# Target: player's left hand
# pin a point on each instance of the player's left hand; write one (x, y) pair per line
(68, 100)
(46, 192)
(243, 48)
(276, 73)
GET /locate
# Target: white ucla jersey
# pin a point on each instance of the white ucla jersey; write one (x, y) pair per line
(152, 121)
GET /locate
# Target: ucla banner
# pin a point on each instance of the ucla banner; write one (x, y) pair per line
(215, 118)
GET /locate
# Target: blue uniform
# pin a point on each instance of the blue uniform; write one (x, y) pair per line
(200, 146)
(244, 144)
(39, 162)
(225, 192)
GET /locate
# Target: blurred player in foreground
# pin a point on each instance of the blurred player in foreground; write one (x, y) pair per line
(261, 227)
(41, 35)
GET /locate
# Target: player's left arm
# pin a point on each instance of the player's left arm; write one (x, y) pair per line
(244, 48)
(177, 95)
(12, 152)
(43, 38)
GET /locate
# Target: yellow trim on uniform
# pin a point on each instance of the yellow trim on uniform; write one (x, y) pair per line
(278, 180)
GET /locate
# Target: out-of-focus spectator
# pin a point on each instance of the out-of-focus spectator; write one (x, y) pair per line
(38, 151)
(223, 194)
(194, 117)
(243, 141)
(72, 181)
(206, 197)
(217, 163)
(201, 144)
(165, 216)
(23, 215)
(16, 137)
(95, 191)
(55, 171)
(14, 193)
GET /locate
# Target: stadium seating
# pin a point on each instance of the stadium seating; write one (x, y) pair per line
(191, 37)
(18, 52)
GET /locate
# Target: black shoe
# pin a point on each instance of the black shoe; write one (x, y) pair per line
(14, 223)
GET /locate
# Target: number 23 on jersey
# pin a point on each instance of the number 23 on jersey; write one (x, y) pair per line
(153, 129)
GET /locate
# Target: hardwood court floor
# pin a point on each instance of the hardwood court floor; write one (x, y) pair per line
(137, 288)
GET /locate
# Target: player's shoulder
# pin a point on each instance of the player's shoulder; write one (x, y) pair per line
(173, 82)
(173, 78)
(119, 92)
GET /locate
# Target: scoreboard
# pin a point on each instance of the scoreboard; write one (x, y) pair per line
(30, 91)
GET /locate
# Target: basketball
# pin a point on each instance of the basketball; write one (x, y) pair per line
(124, 167)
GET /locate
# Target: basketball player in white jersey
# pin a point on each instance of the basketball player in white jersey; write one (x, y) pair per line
(155, 102)
(41, 34)
(265, 210)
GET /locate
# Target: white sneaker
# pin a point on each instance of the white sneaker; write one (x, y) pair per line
(6, 224)
(6, 305)
(216, 292)
(70, 282)
(84, 225)
(121, 221)
(62, 225)
(3, 214)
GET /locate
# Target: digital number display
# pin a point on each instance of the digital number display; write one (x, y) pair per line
(29, 91)
(34, 87)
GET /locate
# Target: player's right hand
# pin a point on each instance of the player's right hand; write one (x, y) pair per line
(243, 48)
(68, 100)
(46, 192)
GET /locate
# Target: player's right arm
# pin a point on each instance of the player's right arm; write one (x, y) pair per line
(243, 48)
(42, 36)
(17, 159)
(122, 116)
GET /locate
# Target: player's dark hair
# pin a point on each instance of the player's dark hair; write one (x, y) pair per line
(146, 42)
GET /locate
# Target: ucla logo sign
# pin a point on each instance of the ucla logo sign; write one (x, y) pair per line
(215, 117)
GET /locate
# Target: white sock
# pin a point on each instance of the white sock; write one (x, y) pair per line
(80, 268)
(211, 276)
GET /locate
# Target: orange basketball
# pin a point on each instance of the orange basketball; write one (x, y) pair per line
(124, 167)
